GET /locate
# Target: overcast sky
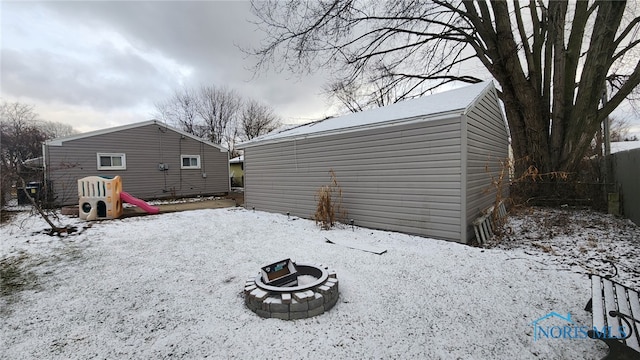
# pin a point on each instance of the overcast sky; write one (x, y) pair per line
(101, 64)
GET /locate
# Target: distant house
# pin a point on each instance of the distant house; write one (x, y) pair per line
(420, 166)
(154, 161)
(236, 171)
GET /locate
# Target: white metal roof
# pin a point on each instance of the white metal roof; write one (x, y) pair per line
(61, 140)
(431, 107)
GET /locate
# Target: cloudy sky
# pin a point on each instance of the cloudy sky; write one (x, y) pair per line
(100, 64)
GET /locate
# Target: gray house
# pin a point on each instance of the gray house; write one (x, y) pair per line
(421, 166)
(154, 161)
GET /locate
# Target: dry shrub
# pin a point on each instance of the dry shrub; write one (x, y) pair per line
(531, 180)
(329, 204)
(498, 183)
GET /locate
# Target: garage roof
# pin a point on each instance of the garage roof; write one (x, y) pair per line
(429, 107)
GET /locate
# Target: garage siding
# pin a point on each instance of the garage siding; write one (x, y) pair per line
(487, 146)
(401, 178)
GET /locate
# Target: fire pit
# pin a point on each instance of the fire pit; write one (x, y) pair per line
(287, 290)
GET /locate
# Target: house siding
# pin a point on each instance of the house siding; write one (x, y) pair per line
(401, 178)
(487, 145)
(145, 147)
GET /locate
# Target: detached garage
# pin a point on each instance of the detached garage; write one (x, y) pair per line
(421, 166)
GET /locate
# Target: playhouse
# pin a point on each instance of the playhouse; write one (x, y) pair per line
(100, 198)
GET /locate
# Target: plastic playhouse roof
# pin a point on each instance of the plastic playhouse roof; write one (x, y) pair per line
(447, 102)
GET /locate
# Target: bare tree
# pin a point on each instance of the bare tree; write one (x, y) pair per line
(21, 138)
(181, 110)
(55, 129)
(218, 114)
(551, 59)
(257, 119)
(358, 97)
(618, 128)
(209, 112)
(219, 108)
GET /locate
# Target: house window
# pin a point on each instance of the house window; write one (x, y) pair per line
(112, 161)
(190, 161)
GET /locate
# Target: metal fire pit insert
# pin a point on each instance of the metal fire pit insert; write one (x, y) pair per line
(299, 301)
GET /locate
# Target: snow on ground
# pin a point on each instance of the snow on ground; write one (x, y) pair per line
(170, 286)
(581, 241)
(179, 201)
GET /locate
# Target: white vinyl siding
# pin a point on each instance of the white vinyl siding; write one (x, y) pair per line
(487, 147)
(190, 161)
(111, 161)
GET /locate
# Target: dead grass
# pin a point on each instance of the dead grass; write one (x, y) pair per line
(329, 204)
(6, 216)
(577, 239)
(545, 248)
(14, 278)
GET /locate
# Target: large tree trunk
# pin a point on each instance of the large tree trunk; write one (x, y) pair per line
(551, 126)
(528, 122)
(586, 118)
(530, 138)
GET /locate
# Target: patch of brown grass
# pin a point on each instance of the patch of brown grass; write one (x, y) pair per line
(329, 204)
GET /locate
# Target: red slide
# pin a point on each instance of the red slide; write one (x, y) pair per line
(126, 197)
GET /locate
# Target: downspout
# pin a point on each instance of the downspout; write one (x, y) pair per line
(203, 169)
(164, 171)
(180, 151)
(44, 161)
(228, 173)
(45, 177)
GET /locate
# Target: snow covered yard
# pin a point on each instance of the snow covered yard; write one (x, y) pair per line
(581, 241)
(170, 286)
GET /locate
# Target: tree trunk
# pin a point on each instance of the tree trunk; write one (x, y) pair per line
(586, 119)
(529, 140)
(54, 229)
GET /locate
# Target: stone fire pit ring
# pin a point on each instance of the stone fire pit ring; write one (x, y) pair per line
(294, 302)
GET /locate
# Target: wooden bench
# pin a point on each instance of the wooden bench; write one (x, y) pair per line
(616, 317)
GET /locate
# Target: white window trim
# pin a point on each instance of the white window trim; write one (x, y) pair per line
(182, 157)
(120, 155)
